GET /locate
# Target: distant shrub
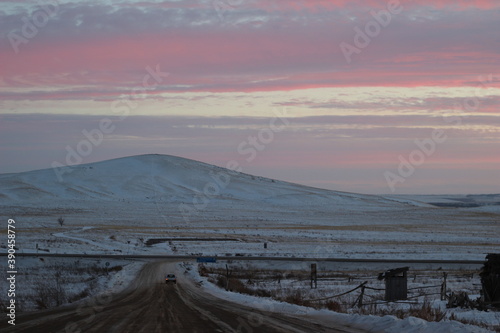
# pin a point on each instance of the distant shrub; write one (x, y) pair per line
(335, 306)
(297, 298)
(79, 296)
(202, 270)
(221, 281)
(50, 293)
(424, 311)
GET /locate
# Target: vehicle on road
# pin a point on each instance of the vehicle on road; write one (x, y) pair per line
(170, 278)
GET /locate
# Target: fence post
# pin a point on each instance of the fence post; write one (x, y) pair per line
(228, 274)
(314, 277)
(360, 300)
(443, 287)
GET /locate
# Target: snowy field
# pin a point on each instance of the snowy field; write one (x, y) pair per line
(156, 204)
(44, 282)
(399, 232)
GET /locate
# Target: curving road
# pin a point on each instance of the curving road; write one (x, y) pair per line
(150, 306)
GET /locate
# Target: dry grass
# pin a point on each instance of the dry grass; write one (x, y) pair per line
(297, 297)
(335, 306)
(475, 323)
(237, 286)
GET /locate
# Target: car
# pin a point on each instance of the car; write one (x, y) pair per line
(170, 278)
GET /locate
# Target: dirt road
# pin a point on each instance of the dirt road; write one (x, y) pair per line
(148, 305)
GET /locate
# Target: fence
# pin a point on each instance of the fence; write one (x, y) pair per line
(353, 288)
(363, 287)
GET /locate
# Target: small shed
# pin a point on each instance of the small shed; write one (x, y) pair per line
(396, 283)
(490, 280)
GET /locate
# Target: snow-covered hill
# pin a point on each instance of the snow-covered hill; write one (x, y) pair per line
(192, 208)
(169, 179)
(116, 205)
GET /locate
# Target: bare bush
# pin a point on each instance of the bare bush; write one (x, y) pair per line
(296, 297)
(427, 312)
(423, 311)
(474, 322)
(202, 269)
(79, 296)
(56, 284)
(335, 306)
(49, 293)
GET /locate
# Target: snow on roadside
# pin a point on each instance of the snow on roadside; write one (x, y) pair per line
(370, 323)
(84, 240)
(122, 279)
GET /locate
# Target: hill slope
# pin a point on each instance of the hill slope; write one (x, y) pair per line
(170, 179)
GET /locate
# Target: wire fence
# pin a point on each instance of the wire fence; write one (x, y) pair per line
(338, 295)
(377, 299)
(363, 289)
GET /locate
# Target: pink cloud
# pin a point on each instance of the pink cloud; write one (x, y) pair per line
(244, 58)
(321, 5)
(280, 54)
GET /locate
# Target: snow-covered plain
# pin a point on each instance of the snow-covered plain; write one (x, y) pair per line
(116, 206)
(45, 282)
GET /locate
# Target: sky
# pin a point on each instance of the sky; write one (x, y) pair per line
(380, 97)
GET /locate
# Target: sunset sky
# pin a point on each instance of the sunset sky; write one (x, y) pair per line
(338, 94)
